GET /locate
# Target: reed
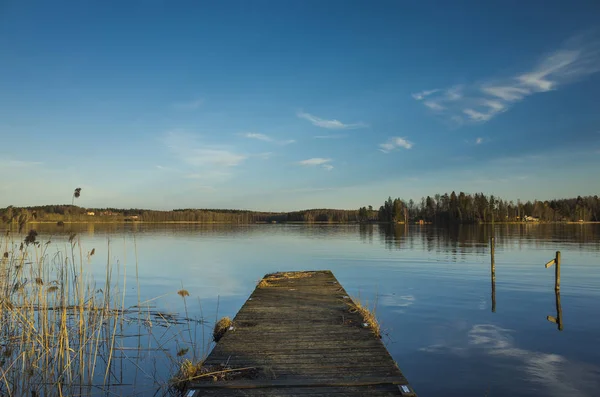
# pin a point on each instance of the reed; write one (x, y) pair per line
(367, 313)
(61, 334)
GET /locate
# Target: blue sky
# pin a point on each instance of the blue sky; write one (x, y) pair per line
(281, 105)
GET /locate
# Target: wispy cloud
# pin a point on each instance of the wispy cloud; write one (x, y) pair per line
(578, 58)
(163, 168)
(260, 137)
(314, 161)
(317, 162)
(265, 155)
(9, 163)
(331, 136)
(434, 105)
(266, 138)
(394, 143)
(329, 124)
(190, 105)
(478, 141)
(419, 96)
(213, 162)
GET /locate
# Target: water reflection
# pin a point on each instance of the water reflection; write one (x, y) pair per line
(558, 319)
(462, 239)
(493, 272)
(457, 239)
(433, 286)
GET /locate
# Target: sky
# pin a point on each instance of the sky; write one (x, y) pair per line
(285, 105)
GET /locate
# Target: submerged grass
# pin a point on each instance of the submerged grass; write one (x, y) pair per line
(63, 335)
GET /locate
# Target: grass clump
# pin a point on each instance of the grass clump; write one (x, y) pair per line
(221, 327)
(264, 283)
(367, 314)
(199, 372)
(271, 278)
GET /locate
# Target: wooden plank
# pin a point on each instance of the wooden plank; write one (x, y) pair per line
(298, 384)
(329, 391)
(296, 329)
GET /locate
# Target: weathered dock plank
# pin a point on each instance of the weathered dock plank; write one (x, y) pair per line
(298, 334)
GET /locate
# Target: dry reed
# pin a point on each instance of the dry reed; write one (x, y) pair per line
(221, 328)
(62, 335)
(367, 314)
(270, 279)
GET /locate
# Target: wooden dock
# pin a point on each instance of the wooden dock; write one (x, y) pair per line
(298, 334)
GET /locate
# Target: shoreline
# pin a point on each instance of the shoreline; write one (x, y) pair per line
(115, 222)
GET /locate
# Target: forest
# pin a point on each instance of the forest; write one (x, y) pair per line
(479, 208)
(444, 208)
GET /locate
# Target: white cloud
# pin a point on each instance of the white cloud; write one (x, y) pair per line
(213, 156)
(551, 70)
(395, 143)
(578, 58)
(329, 124)
(477, 116)
(423, 94)
(286, 142)
(506, 93)
(190, 105)
(266, 138)
(260, 137)
(478, 141)
(202, 160)
(331, 136)
(314, 161)
(434, 105)
(454, 93)
(163, 168)
(8, 163)
(317, 162)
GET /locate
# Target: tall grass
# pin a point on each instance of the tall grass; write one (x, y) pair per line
(63, 335)
(367, 313)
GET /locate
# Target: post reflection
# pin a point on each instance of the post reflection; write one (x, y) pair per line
(558, 320)
(493, 271)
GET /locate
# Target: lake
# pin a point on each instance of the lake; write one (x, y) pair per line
(432, 288)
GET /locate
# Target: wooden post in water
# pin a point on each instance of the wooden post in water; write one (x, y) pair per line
(558, 319)
(557, 272)
(493, 264)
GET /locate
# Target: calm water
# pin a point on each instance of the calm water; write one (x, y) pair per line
(432, 288)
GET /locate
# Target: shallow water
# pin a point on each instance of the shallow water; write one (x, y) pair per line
(432, 287)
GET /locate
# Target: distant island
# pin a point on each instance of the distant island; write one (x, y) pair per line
(440, 209)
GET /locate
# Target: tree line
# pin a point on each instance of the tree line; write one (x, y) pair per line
(72, 213)
(444, 208)
(465, 208)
